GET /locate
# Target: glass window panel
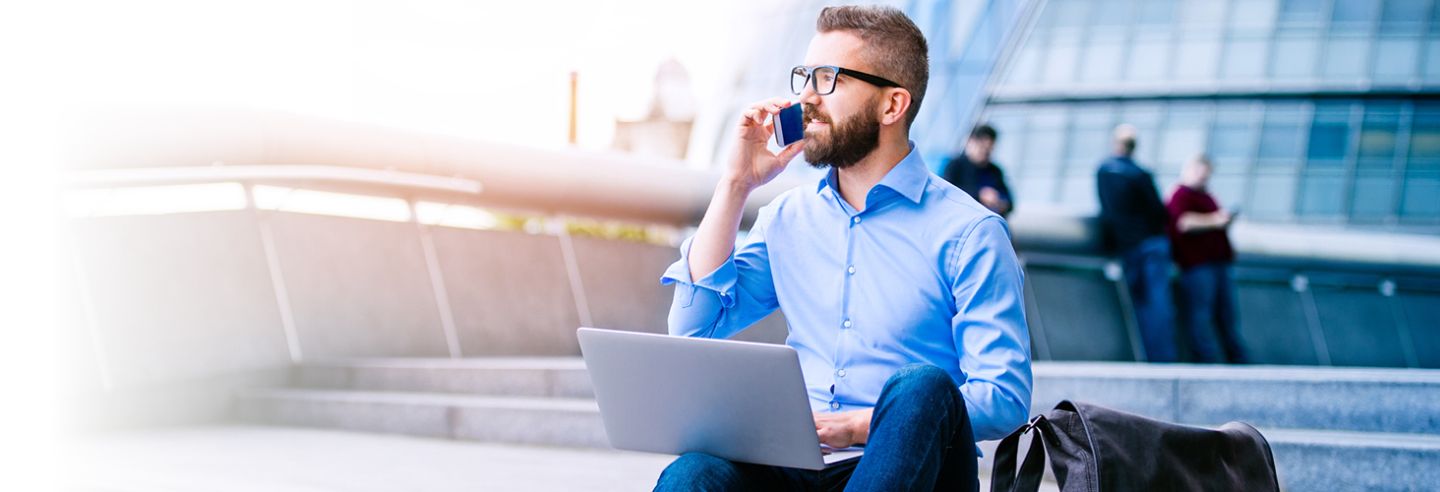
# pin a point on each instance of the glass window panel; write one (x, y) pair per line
(1112, 13)
(1346, 58)
(1425, 138)
(1102, 59)
(1201, 56)
(1090, 134)
(1272, 196)
(1280, 138)
(1301, 11)
(1322, 194)
(1378, 137)
(1422, 196)
(1078, 193)
(1402, 16)
(1228, 188)
(1009, 124)
(1202, 13)
(1329, 137)
(1295, 57)
(1148, 58)
(1185, 136)
(1354, 14)
(1027, 66)
(1253, 15)
(1060, 62)
(1234, 142)
(1432, 60)
(1155, 13)
(1035, 189)
(1146, 118)
(1374, 196)
(1045, 140)
(1244, 59)
(1396, 60)
(1069, 13)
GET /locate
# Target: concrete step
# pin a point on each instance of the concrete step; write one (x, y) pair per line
(563, 377)
(1306, 459)
(1366, 400)
(570, 422)
(1344, 399)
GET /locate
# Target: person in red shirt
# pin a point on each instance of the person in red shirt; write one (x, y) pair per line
(1201, 247)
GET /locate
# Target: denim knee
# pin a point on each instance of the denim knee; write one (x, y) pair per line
(925, 379)
(698, 471)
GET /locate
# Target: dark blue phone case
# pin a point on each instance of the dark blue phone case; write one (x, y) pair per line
(789, 125)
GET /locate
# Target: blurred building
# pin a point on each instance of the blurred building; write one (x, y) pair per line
(1315, 111)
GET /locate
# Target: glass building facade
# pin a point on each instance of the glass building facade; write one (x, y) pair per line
(1314, 111)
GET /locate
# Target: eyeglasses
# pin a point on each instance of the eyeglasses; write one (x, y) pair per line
(822, 78)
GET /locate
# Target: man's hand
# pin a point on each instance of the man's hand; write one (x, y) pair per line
(992, 200)
(753, 164)
(843, 429)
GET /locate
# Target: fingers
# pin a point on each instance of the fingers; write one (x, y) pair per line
(757, 113)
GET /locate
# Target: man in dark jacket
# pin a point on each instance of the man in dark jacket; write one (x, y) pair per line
(1133, 220)
(973, 172)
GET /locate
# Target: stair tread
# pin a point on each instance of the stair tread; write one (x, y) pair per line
(448, 399)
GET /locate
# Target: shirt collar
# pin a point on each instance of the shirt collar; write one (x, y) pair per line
(908, 178)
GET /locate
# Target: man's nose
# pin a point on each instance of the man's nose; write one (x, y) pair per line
(808, 95)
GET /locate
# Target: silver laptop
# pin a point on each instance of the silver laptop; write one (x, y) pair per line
(740, 401)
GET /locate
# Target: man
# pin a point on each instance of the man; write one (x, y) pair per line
(1202, 249)
(1133, 223)
(902, 294)
(973, 172)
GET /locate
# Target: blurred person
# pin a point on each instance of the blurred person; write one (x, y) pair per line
(902, 293)
(1201, 247)
(1133, 220)
(974, 172)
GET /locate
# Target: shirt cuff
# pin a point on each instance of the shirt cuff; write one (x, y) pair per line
(721, 281)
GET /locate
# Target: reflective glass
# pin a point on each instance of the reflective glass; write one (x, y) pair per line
(1295, 57)
(1354, 14)
(1402, 16)
(1346, 58)
(1280, 138)
(1329, 137)
(1102, 59)
(1374, 196)
(1301, 11)
(1201, 56)
(1422, 196)
(1244, 59)
(1272, 196)
(1322, 194)
(1149, 57)
(1253, 15)
(1396, 60)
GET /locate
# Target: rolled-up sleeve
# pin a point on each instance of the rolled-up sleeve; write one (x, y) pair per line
(990, 330)
(728, 300)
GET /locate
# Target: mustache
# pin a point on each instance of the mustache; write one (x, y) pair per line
(811, 114)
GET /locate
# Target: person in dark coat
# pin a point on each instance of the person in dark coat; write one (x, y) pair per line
(974, 172)
(1133, 221)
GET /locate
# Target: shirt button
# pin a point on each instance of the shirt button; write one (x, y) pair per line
(851, 270)
(840, 373)
(834, 405)
(855, 220)
(846, 323)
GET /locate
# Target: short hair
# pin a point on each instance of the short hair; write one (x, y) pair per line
(898, 48)
(984, 130)
(1125, 135)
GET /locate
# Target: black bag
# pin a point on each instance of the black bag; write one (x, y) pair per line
(1095, 449)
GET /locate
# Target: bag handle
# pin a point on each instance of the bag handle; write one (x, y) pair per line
(1003, 477)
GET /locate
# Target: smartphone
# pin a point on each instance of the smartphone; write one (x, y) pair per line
(789, 125)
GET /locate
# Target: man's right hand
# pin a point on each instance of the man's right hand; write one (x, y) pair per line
(752, 164)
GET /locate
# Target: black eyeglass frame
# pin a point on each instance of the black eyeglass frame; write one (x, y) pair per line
(814, 83)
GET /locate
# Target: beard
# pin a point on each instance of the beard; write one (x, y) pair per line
(845, 144)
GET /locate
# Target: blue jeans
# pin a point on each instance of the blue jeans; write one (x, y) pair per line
(920, 439)
(1147, 274)
(1208, 311)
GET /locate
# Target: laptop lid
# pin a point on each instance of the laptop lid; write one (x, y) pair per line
(740, 401)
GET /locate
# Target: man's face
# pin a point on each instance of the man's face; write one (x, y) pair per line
(843, 127)
(978, 149)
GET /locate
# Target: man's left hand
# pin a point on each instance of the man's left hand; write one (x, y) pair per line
(843, 429)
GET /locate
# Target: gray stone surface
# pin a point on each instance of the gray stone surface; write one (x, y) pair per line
(622, 283)
(178, 297)
(243, 458)
(1317, 460)
(509, 291)
(358, 288)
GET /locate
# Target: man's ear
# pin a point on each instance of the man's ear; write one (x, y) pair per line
(893, 107)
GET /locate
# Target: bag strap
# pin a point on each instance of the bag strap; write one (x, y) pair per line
(1003, 477)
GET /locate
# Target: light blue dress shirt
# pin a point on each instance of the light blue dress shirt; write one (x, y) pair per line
(924, 274)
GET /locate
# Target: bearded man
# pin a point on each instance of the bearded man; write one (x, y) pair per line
(902, 294)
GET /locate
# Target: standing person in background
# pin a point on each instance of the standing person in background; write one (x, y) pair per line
(973, 172)
(1201, 247)
(1132, 220)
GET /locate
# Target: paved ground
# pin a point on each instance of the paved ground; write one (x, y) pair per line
(282, 459)
(236, 458)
